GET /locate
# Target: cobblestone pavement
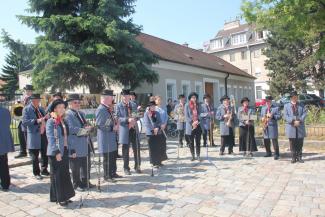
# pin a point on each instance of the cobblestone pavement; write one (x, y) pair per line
(228, 185)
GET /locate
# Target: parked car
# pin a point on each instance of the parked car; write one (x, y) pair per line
(306, 99)
(321, 102)
(259, 103)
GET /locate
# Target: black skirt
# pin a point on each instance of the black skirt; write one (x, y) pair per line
(157, 149)
(246, 136)
(61, 185)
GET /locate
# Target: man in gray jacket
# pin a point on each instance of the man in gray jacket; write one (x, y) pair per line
(78, 143)
(34, 119)
(6, 145)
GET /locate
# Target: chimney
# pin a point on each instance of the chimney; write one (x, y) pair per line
(231, 24)
(185, 44)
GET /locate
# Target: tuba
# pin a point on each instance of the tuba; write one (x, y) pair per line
(17, 111)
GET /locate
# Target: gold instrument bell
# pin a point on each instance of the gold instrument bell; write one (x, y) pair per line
(17, 111)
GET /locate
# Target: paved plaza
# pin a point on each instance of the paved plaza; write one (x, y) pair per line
(228, 185)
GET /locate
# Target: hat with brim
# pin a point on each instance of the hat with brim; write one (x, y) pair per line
(57, 102)
(192, 94)
(107, 93)
(152, 103)
(181, 96)
(59, 94)
(245, 99)
(28, 87)
(206, 96)
(35, 96)
(132, 93)
(224, 98)
(72, 97)
(293, 93)
(269, 98)
(125, 92)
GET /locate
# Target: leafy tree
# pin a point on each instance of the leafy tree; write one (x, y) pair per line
(87, 42)
(301, 25)
(19, 59)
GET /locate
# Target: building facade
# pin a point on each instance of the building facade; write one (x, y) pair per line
(182, 69)
(242, 46)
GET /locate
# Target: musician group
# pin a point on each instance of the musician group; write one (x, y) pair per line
(60, 135)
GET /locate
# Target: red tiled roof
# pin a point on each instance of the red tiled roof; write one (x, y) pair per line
(170, 51)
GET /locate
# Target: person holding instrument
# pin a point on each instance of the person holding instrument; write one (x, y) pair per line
(107, 125)
(294, 115)
(270, 114)
(193, 124)
(57, 132)
(226, 115)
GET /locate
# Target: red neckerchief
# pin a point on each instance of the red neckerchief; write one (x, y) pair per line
(294, 108)
(39, 114)
(268, 108)
(57, 121)
(152, 113)
(193, 107)
(246, 109)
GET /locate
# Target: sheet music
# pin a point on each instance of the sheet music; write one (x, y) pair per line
(83, 132)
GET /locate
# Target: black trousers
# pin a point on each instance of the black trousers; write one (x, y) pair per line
(196, 137)
(205, 137)
(4, 172)
(181, 135)
(22, 136)
(229, 141)
(275, 143)
(61, 188)
(79, 172)
(34, 154)
(109, 164)
(296, 147)
(136, 151)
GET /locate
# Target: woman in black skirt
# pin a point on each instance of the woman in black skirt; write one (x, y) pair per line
(57, 134)
(247, 143)
(155, 136)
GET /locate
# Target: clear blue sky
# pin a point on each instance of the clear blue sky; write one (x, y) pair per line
(180, 21)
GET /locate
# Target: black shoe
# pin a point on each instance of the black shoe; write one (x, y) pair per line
(45, 173)
(116, 176)
(5, 189)
(181, 145)
(119, 156)
(21, 155)
(127, 172)
(138, 171)
(250, 154)
(91, 185)
(38, 177)
(276, 157)
(79, 189)
(65, 203)
(193, 159)
(204, 145)
(110, 179)
(230, 152)
(293, 161)
(221, 153)
(214, 145)
(268, 155)
(300, 160)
